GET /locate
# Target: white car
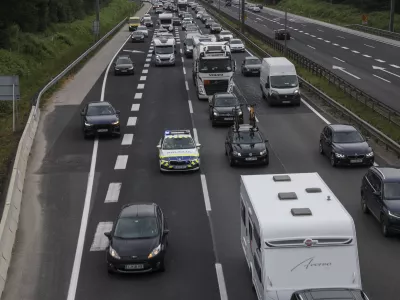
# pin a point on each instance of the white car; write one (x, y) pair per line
(236, 45)
(144, 30)
(254, 8)
(200, 14)
(146, 16)
(225, 35)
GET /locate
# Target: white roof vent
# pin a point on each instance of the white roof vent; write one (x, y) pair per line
(287, 196)
(297, 212)
(281, 178)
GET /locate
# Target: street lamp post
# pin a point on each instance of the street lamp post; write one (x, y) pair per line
(285, 31)
(391, 22)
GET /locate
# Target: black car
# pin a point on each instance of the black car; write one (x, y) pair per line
(246, 146)
(124, 65)
(282, 34)
(332, 293)
(215, 28)
(176, 22)
(222, 109)
(345, 145)
(147, 22)
(228, 3)
(251, 65)
(191, 28)
(207, 18)
(188, 47)
(209, 22)
(138, 240)
(137, 36)
(185, 23)
(159, 10)
(380, 195)
(100, 118)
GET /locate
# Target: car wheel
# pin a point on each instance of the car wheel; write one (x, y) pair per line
(321, 150)
(364, 206)
(267, 161)
(333, 160)
(210, 115)
(384, 229)
(231, 162)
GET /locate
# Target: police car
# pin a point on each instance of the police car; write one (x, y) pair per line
(177, 151)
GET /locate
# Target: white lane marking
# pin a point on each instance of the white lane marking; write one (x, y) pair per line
(132, 121)
(184, 70)
(381, 78)
(341, 37)
(319, 38)
(100, 241)
(300, 30)
(180, 51)
(320, 30)
(395, 66)
(187, 85)
(150, 52)
(221, 282)
(306, 33)
(143, 78)
(354, 51)
(380, 60)
(311, 47)
(304, 25)
(335, 44)
(73, 284)
(190, 106)
(148, 59)
(206, 196)
(369, 46)
(151, 48)
(146, 65)
(140, 86)
(313, 36)
(292, 38)
(178, 43)
(251, 54)
(326, 41)
(149, 55)
(296, 29)
(138, 96)
(120, 163)
(135, 107)
(345, 48)
(365, 55)
(339, 59)
(113, 191)
(145, 71)
(195, 136)
(127, 139)
(182, 59)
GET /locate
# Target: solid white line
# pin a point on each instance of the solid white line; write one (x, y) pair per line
(354, 51)
(195, 136)
(184, 70)
(127, 139)
(146, 65)
(206, 196)
(190, 106)
(113, 192)
(311, 47)
(145, 71)
(135, 107)
(365, 55)
(341, 37)
(138, 96)
(187, 85)
(88, 196)
(316, 112)
(120, 163)
(221, 282)
(380, 60)
(339, 59)
(381, 78)
(140, 86)
(251, 54)
(369, 46)
(143, 78)
(100, 241)
(132, 121)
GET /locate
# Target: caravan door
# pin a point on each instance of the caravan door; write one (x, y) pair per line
(256, 258)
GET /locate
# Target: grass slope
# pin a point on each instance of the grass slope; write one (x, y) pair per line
(36, 58)
(339, 14)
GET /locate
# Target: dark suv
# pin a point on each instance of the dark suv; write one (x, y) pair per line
(380, 195)
(329, 294)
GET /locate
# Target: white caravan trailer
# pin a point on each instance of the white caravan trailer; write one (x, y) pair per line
(296, 235)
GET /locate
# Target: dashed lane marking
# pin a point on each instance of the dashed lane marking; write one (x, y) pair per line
(140, 86)
(354, 51)
(148, 59)
(132, 121)
(196, 137)
(146, 66)
(180, 51)
(127, 139)
(395, 66)
(221, 282)
(345, 48)
(319, 38)
(381, 78)
(335, 44)
(369, 46)
(184, 70)
(138, 96)
(326, 41)
(339, 59)
(143, 78)
(135, 107)
(365, 55)
(187, 85)
(183, 60)
(149, 55)
(311, 47)
(145, 71)
(100, 241)
(320, 30)
(380, 60)
(121, 162)
(190, 106)
(113, 191)
(341, 37)
(206, 195)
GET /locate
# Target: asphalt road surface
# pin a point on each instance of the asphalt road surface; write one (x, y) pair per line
(205, 258)
(370, 65)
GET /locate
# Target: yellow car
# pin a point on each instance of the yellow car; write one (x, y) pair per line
(133, 22)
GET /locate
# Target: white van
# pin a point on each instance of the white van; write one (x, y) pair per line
(296, 235)
(278, 81)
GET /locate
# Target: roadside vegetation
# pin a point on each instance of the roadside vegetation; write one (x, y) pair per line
(38, 56)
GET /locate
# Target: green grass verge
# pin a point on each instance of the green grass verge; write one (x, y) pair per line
(36, 58)
(339, 14)
(364, 112)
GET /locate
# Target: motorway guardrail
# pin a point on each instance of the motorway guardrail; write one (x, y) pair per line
(384, 110)
(366, 128)
(375, 31)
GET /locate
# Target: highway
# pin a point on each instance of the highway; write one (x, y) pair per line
(370, 65)
(205, 258)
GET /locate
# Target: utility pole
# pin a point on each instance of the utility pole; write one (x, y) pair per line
(391, 22)
(219, 6)
(243, 16)
(285, 31)
(97, 26)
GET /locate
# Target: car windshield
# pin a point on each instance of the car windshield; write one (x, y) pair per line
(100, 110)
(215, 65)
(165, 21)
(184, 142)
(215, 25)
(391, 191)
(225, 32)
(142, 28)
(246, 137)
(236, 42)
(347, 137)
(253, 61)
(284, 81)
(164, 50)
(123, 61)
(147, 19)
(136, 228)
(226, 101)
(137, 33)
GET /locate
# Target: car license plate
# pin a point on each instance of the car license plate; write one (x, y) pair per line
(285, 102)
(228, 119)
(255, 71)
(134, 267)
(355, 161)
(251, 158)
(102, 130)
(123, 70)
(180, 167)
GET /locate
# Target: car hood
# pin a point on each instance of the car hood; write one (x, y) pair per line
(164, 55)
(124, 66)
(224, 109)
(137, 37)
(352, 148)
(143, 30)
(95, 120)
(134, 247)
(253, 66)
(235, 45)
(249, 148)
(183, 154)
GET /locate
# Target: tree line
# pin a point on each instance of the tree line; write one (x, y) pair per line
(38, 15)
(370, 5)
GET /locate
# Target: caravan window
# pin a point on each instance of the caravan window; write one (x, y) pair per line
(243, 213)
(257, 238)
(250, 231)
(257, 268)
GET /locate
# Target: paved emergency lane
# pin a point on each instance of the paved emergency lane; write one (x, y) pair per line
(159, 103)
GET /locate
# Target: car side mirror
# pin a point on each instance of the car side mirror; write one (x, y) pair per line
(175, 51)
(198, 145)
(166, 231)
(117, 112)
(266, 141)
(82, 112)
(267, 85)
(210, 104)
(158, 146)
(108, 234)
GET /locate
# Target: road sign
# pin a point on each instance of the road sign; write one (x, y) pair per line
(364, 19)
(9, 88)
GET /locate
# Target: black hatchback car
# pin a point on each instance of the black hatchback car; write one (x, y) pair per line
(137, 36)
(100, 118)
(251, 65)
(329, 294)
(345, 145)
(282, 34)
(380, 195)
(222, 108)
(246, 146)
(138, 240)
(124, 65)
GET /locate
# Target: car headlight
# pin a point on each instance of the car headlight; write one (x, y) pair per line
(115, 123)
(296, 92)
(131, 68)
(215, 112)
(116, 69)
(370, 154)
(157, 57)
(338, 155)
(155, 251)
(172, 57)
(88, 124)
(394, 215)
(263, 152)
(274, 94)
(240, 113)
(201, 89)
(235, 153)
(113, 253)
